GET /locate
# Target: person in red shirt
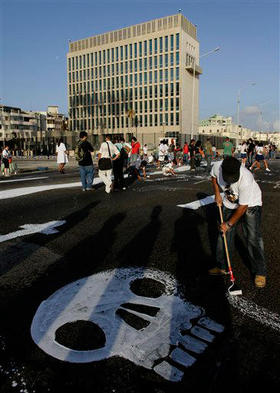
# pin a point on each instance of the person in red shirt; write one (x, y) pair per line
(186, 153)
(135, 149)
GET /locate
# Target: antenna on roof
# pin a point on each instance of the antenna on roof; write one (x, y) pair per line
(180, 10)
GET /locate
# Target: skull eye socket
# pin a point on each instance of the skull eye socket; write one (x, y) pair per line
(81, 336)
(147, 287)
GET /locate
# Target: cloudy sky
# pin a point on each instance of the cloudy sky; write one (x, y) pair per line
(35, 34)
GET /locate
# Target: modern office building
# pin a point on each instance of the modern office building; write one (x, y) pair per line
(137, 80)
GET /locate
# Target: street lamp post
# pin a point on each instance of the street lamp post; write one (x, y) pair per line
(193, 84)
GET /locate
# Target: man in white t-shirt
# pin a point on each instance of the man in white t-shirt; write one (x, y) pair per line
(242, 200)
(109, 151)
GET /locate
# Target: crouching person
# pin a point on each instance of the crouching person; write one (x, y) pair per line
(242, 201)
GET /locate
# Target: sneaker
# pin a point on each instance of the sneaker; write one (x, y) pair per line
(268, 170)
(216, 271)
(260, 281)
(124, 188)
(250, 168)
(84, 189)
(89, 189)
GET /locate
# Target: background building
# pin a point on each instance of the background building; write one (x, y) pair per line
(219, 126)
(36, 131)
(136, 80)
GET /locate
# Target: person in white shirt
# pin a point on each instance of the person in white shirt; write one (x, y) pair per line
(61, 154)
(110, 152)
(241, 201)
(168, 170)
(260, 153)
(243, 153)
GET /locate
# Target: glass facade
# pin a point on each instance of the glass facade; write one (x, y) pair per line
(143, 75)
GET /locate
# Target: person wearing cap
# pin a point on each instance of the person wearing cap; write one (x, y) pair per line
(241, 201)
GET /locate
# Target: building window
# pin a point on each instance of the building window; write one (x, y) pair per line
(155, 45)
(160, 105)
(151, 91)
(155, 62)
(171, 104)
(166, 89)
(156, 120)
(177, 44)
(145, 78)
(156, 107)
(166, 75)
(151, 120)
(151, 46)
(160, 90)
(171, 89)
(160, 119)
(177, 103)
(166, 43)
(150, 76)
(160, 61)
(166, 104)
(166, 119)
(135, 65)
(177, 58)
(135, 79)
(140, 64)
(156, 90)
(130, 51)
(146, 120)
(146, 92)
(135, 93)
(145, 63)
(160, 44)
(155, 77)
(177, 73)
(117, 54)
(177, 88)
(135, 49)
(121, 53)
(108, 55)
(140, 49)
(145, 48)
(160, 75)
(130, 65)
(172, 42)
(151, 62)
(126, 52)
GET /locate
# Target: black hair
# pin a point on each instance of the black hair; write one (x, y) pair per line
(83, 134)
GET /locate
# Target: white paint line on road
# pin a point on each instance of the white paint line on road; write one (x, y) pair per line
(200, 202)
(48, 228)
(17, 192)
(27, 178)
(256, 312)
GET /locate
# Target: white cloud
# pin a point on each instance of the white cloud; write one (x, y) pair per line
(251, 110)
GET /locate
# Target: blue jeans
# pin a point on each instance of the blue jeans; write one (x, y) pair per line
(251, 225)
(87, 174)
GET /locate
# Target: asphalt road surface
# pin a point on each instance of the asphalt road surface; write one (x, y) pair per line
(88, 233)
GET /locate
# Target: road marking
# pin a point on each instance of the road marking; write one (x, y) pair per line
(28, 178)
(200, 202)
(47, 228)
(258, 313)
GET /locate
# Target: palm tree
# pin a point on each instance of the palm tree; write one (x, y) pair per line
(130, 114)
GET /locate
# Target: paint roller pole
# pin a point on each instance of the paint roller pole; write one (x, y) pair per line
(232, 279)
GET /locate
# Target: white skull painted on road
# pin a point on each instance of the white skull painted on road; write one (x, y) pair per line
(172, 328)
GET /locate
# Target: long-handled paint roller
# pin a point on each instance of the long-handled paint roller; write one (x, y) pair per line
(234, 292)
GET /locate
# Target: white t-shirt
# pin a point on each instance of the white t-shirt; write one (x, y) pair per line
(104, 151)
(243, 148)
(259, 150)
(166, 168)
(214, 149)
(244, 192)
(145, 150)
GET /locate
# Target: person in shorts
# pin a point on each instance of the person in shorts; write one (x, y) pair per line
(260, 152)
(243, 153)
